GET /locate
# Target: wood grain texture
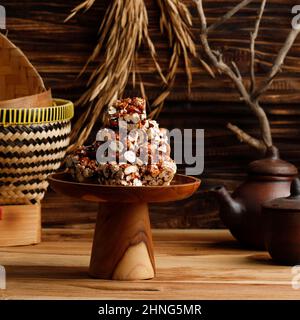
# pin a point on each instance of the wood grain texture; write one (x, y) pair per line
(122, 246)
(39, 100)
(60, 50)
(181, 187)
(18, 77)
(191, 264)
(201, 210)
(20, 225)
(225, 163)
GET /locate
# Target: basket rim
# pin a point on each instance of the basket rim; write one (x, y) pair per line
(61, 110)
(41, 99)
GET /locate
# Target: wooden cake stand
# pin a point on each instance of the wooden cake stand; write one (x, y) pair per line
(122, 247)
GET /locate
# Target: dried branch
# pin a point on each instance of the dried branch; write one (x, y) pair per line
(264, 86)
(237, 70)
(251, 97)
(245, 137)
(228, 15)
(235, 76)
(253, 36)
(201, 15)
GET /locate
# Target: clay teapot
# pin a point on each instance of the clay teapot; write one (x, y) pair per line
(281, 219)
(268, 178)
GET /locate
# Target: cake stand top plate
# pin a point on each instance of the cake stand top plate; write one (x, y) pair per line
(182, 187)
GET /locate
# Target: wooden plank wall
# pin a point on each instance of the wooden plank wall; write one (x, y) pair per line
(59, 50)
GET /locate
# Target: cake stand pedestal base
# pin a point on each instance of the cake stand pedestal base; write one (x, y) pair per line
(122, 247)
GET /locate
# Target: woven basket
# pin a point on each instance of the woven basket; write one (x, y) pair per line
(33, 143)
(34, 135)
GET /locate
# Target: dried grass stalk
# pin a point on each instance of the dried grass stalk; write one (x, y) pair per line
(124, 28)
(175, 21)
(86, 5)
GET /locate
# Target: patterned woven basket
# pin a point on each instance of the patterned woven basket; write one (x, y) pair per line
(34, 135)
(33, 143)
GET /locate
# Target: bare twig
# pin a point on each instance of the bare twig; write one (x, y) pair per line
(237, 70)
(245, 137)
(201, 15)
(264, 86)
(251, 97)
(228, 15)
(253, 36)
(235, 76)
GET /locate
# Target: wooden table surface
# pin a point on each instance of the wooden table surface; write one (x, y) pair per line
(191, 264)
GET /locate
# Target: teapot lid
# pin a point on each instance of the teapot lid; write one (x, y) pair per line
(290, 203)
(272, 165)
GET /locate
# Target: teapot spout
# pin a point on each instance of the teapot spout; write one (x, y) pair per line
(231, 210)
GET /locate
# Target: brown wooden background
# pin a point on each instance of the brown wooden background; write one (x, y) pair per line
(59, 51)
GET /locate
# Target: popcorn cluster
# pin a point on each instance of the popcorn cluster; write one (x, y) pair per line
(140, 158)
(82, 164)
(132, 111)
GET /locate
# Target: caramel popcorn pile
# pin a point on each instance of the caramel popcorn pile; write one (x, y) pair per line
(141, 159)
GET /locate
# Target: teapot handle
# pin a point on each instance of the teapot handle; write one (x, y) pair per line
(295, 188)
